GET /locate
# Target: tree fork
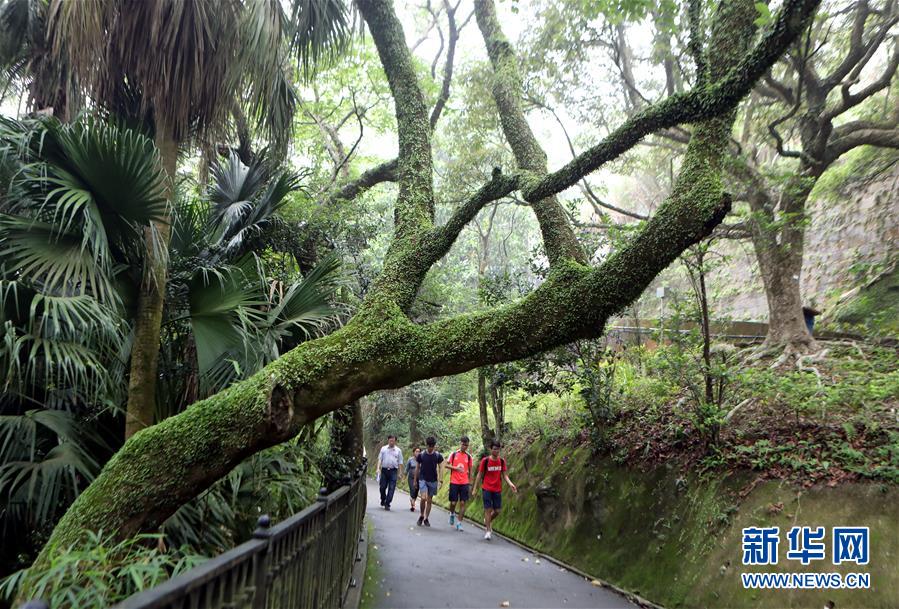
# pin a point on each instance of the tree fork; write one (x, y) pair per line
(558, 236)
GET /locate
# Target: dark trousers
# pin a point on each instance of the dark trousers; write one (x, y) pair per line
(388, 485)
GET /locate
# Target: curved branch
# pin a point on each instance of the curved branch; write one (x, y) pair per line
(849, 100)
(443, 237)
(585, 185)
(885, 138)
(448, 64)
(385, 172)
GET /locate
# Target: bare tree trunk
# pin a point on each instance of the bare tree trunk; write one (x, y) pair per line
(487, 434)
(706, 328)
(779, 245)
(497, 402)
(415, 438)
(348, 426)
(148, 319)
(780, 271)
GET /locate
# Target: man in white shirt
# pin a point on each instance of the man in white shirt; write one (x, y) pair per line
(390, 465)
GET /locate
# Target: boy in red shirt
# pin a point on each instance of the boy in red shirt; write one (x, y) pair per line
(493, 469)
(460, 477)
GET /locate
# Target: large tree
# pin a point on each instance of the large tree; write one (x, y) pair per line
(813, 107)
(161, 467)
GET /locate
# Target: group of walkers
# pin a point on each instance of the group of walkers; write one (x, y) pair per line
(425, 471)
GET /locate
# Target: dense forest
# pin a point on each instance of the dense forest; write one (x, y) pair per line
(243, 241)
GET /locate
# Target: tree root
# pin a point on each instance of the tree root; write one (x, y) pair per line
(734, 410)
(848, 343)
(758, 352)
(802, 364)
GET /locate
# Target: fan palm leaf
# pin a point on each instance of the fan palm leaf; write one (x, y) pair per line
(306, 305)
(192, 61)
(216, 299)
(46, 458)
(81, 197)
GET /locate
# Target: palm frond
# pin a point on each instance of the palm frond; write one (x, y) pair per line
(245, 200)
(306, 306)
(320, 30)
(79, 201)
(47, 460)
(215, 301)
(51, 259)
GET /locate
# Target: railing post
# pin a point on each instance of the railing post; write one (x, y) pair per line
(260, 579)
(322, 553)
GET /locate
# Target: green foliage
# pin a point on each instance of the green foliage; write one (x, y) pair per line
(76, 201)
(241, 312)
(765, 16)
(600, 393)
(96, 572)
(278, 482)
(77, 198)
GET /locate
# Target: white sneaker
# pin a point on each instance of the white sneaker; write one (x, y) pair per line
(487, 535)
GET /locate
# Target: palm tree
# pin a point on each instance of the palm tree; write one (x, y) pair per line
(75, 200)
(181, 68)
(240, 315)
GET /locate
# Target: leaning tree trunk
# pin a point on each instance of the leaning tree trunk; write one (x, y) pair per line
(779, 245)
(150, 300)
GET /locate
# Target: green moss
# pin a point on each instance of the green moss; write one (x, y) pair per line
(371, 583)
(875, 307)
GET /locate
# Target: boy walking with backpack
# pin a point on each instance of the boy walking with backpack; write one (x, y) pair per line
(460, 479)
(493, 470)
(427, 477)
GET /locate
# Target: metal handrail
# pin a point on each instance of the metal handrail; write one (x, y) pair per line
(304, 561)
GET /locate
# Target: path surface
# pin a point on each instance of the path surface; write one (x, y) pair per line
(440, 567)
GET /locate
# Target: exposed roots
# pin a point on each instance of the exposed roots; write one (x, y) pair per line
(803, 364)
(758, 352)
(734, 410)
(848, 343)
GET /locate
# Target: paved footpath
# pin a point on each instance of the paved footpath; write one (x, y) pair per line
(441, 567)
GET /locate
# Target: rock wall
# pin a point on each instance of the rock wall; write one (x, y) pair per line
(853, 233)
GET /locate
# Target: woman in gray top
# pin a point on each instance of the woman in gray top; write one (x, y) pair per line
(411, 464)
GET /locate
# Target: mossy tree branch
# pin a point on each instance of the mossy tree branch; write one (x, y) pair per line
(414, 208)
(559, 240)
(701, 103)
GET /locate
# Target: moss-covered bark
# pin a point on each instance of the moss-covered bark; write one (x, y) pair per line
(166, 465)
